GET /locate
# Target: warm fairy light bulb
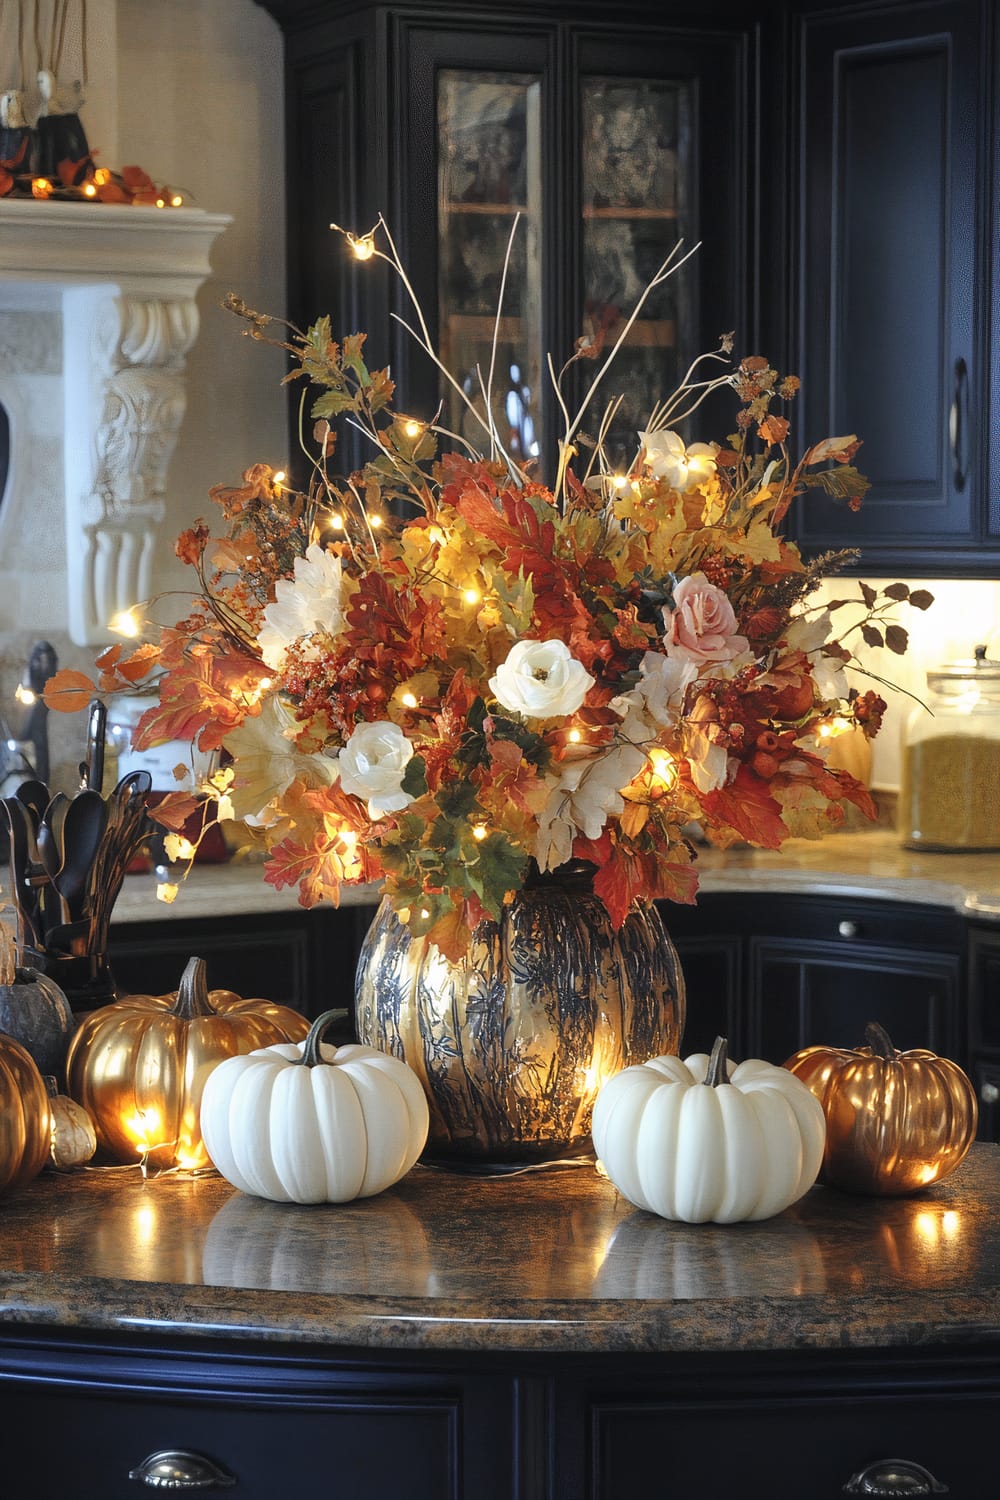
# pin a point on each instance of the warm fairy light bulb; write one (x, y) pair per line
(124, 623)
(41, 187)
(336, 522)
(479, 832)
(409, 700)
(664, 767)
(375, 521)
(363, 246)
(24, 695)
(424, 913)
(575, 736)
(348, 837)
(413, 429)
(102, 176)
(176, 200)
(830, 729)
(89, 190)
(619, 481)
(161, 202)
(471, 596)
(278, 477)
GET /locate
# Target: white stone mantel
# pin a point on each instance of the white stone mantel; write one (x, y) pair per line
(128, 276)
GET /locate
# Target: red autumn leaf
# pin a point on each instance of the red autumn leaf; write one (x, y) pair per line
(175, 809)
(288, 863)
(773, 429)
(68, 690)
(748, 807)
(618, 883)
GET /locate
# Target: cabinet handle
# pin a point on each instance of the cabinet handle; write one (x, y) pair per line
(847, 928)
(958, 422)
(178, 1469)
(989, 1093)
(894, 1476)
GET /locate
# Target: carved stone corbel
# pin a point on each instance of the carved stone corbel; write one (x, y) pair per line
(139, 348)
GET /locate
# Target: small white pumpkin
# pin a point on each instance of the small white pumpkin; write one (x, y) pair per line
(703, 1140)
(309, 1123)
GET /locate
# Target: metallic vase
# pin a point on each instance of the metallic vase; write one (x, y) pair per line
(513, 1043)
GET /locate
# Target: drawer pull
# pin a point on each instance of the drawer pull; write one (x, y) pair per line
(177, 1469)
(847, 928)
(989, 1092)
(894, 1476)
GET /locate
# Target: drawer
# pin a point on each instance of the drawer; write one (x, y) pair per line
(788, 1449)
(59, 1445)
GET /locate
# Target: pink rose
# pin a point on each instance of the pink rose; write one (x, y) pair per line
(702, 625)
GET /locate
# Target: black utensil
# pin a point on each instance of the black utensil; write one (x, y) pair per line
(83, 830)
(92, 770)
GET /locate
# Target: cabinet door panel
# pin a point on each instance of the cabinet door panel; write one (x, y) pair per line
(712, 968)
(889, 207)
(807, 994)
(786, 1450)
(367, 1450)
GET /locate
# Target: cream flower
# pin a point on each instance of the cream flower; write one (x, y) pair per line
(682, 467)
(541, 680)
(311, 603)
(372, 765)
(267, 762)
(811, 636)
(586, 795)
(659, 694)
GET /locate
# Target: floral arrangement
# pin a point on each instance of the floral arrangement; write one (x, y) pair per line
(442, 675)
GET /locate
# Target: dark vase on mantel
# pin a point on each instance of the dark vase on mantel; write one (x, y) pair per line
(513, 1042)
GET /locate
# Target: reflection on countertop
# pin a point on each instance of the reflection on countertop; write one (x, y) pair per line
(553, 1260)
(870, 864)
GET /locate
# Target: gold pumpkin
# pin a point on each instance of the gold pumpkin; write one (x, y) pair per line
(895, 1121)
(24, 1116)
(139, 1066)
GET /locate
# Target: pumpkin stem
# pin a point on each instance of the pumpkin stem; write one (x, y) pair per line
(192, 993)
(310, 1047)
(717, 1070)
(878, 1040)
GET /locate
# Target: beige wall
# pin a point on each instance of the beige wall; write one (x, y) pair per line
(191, 90)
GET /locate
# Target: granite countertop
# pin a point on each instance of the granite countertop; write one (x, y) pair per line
(553, 1261)
(869, 864)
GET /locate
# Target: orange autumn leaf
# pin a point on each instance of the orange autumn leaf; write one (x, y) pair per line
(68, 690)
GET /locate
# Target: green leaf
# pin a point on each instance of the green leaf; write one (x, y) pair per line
(457, 800)
(332, 403)
(415, 776)
(499, 868)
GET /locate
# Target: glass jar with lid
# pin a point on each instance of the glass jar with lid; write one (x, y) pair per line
(950, 797)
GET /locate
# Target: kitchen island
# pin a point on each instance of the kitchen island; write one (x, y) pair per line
(530, 1335)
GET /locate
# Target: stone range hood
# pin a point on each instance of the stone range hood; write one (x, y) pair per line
(125, 278)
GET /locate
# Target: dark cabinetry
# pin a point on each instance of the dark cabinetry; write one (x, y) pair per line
(783, 972)
(895, 252)
(609, 136)
(846, 213)
(587, 1427)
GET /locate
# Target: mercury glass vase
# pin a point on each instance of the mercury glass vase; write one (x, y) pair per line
(513, 1042)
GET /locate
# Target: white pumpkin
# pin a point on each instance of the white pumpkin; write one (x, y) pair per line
(677, 1139)
(309, 1123)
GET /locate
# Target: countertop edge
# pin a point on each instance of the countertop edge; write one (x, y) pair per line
(947, 1318)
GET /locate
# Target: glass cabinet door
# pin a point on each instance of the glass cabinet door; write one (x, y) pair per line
(636, 173)
(489, 223)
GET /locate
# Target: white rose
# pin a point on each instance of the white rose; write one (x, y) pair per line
(541, 680)
(372, 764)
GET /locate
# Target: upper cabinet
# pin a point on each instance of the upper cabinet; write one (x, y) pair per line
(896, 268)
(535, 152)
